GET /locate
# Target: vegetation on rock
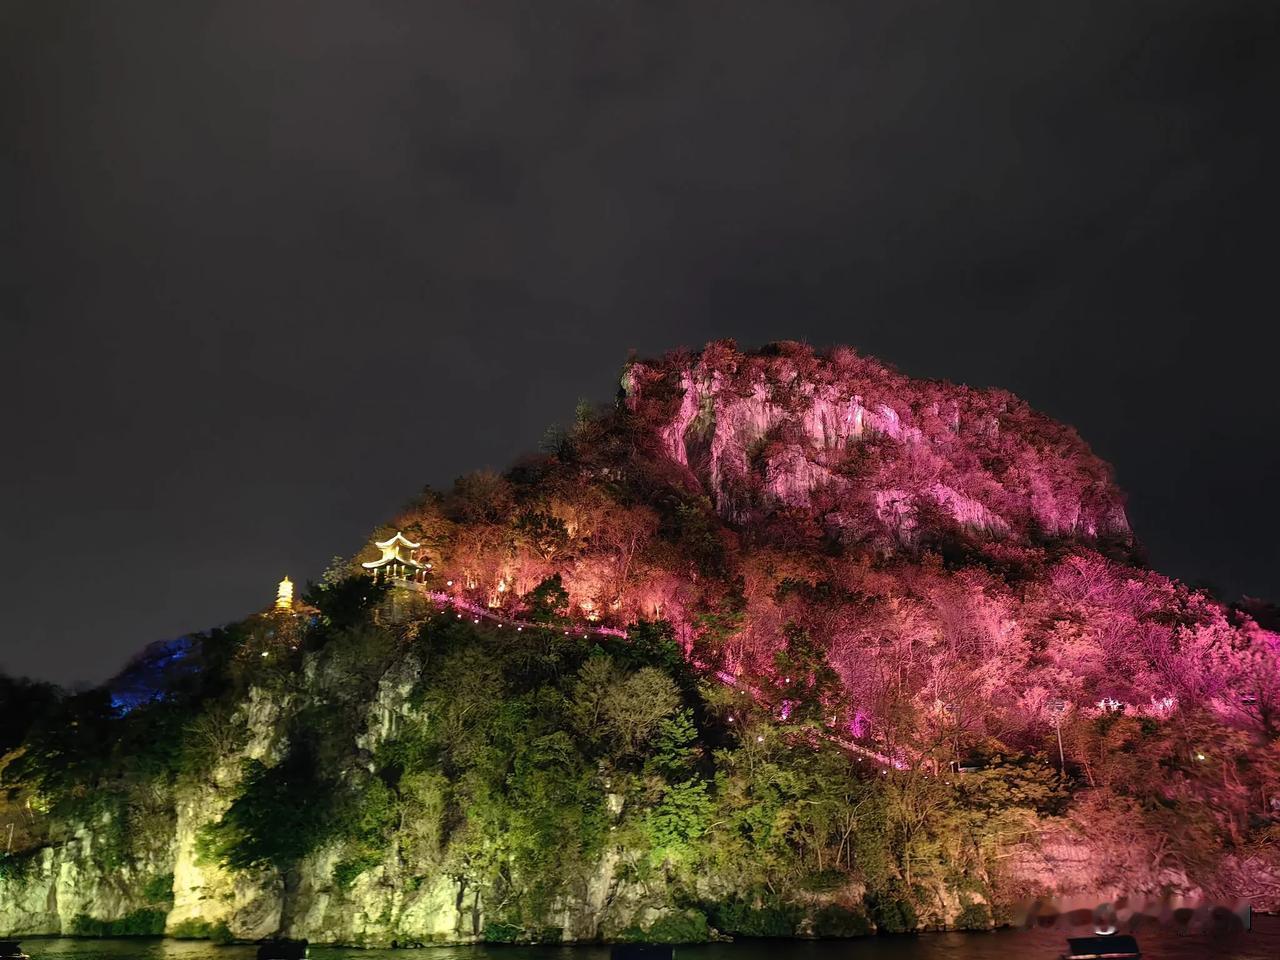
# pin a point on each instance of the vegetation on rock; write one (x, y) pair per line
(847, 617)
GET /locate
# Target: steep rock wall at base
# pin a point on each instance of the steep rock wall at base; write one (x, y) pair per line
(66, 884)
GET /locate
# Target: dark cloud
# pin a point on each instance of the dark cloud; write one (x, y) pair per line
(265, 269)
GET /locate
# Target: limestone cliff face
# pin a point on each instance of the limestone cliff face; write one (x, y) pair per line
(869, 450)
(67, 882)
(250, 906)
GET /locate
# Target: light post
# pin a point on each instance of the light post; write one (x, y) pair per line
(1058, 708)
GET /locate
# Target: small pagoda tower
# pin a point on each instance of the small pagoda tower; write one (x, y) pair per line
(284, 595)
(396, 562)
(281, 628)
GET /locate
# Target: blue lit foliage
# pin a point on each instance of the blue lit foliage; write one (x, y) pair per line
(153, 675)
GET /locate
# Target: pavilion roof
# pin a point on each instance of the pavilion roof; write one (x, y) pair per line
(403, 561)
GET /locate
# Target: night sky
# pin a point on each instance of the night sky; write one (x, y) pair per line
(266, 269)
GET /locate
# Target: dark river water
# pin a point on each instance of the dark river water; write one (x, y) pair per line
(1157, 944)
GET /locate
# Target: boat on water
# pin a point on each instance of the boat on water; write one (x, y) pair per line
(283, 950)
(12, 950)
(1113, 947)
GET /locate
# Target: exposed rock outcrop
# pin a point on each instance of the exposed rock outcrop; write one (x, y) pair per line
(867, 448)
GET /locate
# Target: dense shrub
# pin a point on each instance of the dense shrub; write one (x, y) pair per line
(835, 921)
(500, 932)
(891, 910)
(282, 814)
(973, 915)
(345, 872)
(688, 926)
(17, 867)
(159, 889)
(192, 929)
(763, 917)
(139, 923)
(823, 881)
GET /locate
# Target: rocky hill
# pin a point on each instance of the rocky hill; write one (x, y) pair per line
(778, 644)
